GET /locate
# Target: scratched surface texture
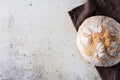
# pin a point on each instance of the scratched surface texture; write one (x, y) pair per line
(38, 42)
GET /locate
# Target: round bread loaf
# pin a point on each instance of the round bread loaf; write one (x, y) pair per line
(98, 40)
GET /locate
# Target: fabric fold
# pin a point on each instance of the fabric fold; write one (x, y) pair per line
(109, 8)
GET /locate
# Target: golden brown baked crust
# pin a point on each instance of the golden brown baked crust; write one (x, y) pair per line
(98, 40)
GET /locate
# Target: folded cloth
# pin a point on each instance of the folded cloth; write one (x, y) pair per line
(109, 8)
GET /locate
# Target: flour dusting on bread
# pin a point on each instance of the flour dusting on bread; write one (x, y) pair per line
(98, 40)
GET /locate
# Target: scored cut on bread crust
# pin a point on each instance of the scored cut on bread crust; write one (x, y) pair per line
(98, 40)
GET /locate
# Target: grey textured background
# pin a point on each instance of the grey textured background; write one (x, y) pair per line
(38, 42)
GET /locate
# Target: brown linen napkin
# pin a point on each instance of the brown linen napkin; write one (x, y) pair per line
(109, 8)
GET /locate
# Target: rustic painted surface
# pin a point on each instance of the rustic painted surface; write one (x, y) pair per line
(38, 42)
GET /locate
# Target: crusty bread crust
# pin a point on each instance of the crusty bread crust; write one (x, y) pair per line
(98, 40)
